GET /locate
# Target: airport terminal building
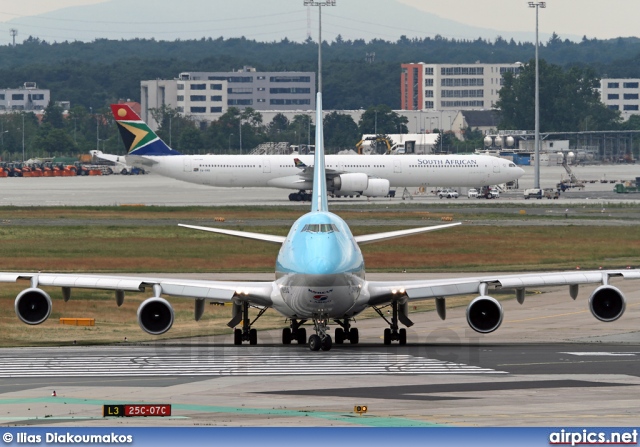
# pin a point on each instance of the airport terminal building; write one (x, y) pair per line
(207, 95)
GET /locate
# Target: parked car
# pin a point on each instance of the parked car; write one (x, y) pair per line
(493, 193)
(473, 193)
(448, 193)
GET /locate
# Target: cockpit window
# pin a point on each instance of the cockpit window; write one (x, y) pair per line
(512, 165)
(320, 228)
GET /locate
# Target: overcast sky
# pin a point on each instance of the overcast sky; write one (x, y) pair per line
(594, 18)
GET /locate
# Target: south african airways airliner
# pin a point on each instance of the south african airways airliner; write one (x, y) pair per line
(347, 175)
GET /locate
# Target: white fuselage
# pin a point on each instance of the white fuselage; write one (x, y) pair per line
(280, 170)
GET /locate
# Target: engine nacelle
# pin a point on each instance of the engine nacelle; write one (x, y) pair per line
(484, 314)
(33, 306)
(607, 303)
(377, 187)
(155, 315)
(351, 182)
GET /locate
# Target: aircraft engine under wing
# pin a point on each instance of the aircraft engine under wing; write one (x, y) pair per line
(351, 182)
(377, 187)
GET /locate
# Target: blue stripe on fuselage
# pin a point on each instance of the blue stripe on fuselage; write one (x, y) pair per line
(320, 253)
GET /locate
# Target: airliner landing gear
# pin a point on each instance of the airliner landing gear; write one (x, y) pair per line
(392, 333)
(321, 339)
(346, 332)
(241, 314)
(300, 196)
(294, 332)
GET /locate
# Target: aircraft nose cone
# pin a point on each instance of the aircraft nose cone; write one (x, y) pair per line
(520, 172)
(324, 265)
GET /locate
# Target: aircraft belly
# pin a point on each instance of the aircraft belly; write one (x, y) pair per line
(306, 296)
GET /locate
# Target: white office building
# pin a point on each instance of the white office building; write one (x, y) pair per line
(205, 96)
(452, 86)
(28, 98)
(622, 95)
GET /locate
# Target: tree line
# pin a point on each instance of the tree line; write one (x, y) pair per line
(94, 75)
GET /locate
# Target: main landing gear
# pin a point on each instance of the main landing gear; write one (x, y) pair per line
(346, 332)
(300, 196)
(392, 333)
(241, 314)
(294, 332)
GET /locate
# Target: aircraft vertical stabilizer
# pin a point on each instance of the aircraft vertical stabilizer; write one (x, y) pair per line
(137, 137)
(319, 196)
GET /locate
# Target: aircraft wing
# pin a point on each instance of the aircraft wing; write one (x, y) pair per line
(381, 292)
(258, 293)
(307, 171)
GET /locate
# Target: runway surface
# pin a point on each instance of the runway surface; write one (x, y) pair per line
(115, 190)
(550, 363)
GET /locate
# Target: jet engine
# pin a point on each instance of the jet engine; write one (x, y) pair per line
(155, 315)
(351, 182)
(484, 314)
(377, 187)
(33, 305)
(607, 303)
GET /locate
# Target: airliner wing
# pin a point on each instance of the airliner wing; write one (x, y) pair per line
(385, 291)
(258, 293)
(244, 234)
(307, 171)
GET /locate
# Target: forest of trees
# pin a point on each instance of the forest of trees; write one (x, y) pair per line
(94, 75)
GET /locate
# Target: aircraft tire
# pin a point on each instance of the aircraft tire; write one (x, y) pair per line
(339, 336)
(237, 337)
(354, 336)
(315, 342)
(253, 337)
(302, 336)
(326, 343)
(403, 336)
(286, 336)
(387, 336)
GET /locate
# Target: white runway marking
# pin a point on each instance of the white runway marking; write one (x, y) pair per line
(248, 364)
(602, 354)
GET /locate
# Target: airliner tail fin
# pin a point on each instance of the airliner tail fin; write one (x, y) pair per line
(137, 137)
(319, 195)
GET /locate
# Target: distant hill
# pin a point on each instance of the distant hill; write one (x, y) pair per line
(266, 21)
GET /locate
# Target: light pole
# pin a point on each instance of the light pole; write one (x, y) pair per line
(97, 129)
(22, 137)
(320, 5)
(230, 135)
(240, 127)
(375, 123)
(536, 143)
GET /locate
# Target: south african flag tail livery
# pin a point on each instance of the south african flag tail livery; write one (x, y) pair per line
(137, 137)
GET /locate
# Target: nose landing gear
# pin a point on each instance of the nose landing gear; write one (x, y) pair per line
(321, 339)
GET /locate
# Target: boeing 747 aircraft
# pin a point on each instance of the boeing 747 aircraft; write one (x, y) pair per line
(347, 175)
(319, 278)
